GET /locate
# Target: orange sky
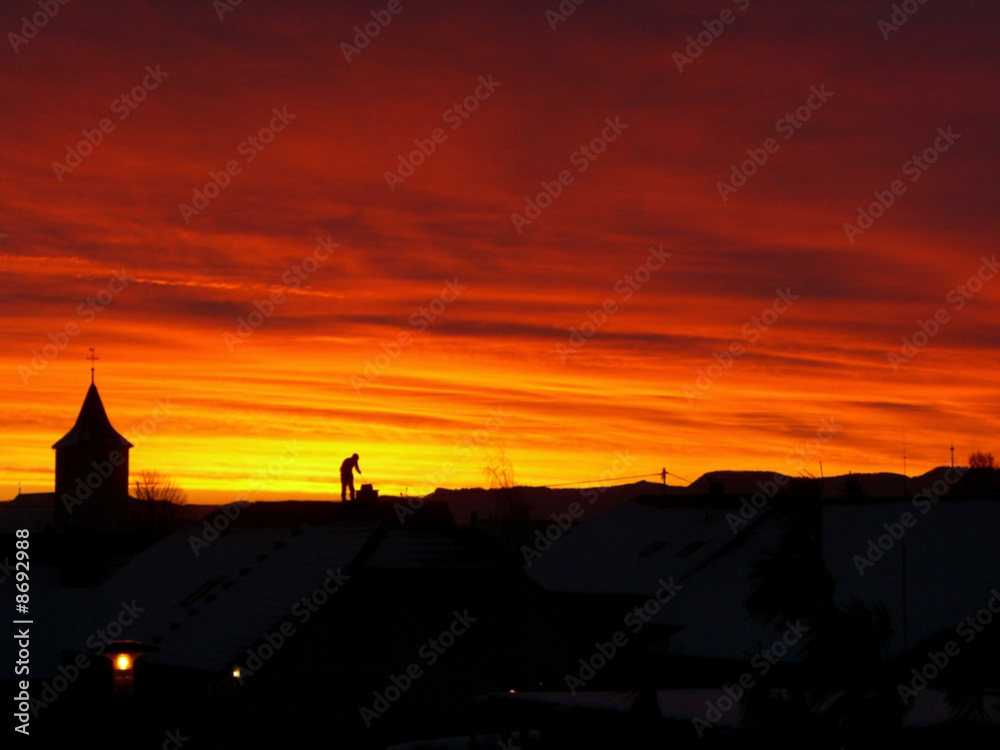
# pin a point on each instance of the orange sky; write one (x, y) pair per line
(485, 303)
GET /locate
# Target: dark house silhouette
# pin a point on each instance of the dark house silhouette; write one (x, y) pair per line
(314, 624)
(304, 610)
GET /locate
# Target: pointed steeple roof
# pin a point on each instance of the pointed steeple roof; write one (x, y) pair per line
(92, 426)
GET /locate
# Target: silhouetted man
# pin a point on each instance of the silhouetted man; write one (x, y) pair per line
(347, 470)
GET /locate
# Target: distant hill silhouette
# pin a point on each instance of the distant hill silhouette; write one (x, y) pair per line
(542, 502)
(880, 484)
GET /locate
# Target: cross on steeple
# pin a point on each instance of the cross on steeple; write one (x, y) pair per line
(92, 359)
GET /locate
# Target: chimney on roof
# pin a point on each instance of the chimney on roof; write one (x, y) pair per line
(366, 493)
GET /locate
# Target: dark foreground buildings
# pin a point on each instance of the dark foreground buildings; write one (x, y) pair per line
(822, 615)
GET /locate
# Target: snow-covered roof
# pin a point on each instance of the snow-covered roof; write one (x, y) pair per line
(952, 559)
(202, 611)
(629, 548)
(711, 606)
(951, 552)
(418, 549)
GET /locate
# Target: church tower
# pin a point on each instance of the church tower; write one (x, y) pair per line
(92, 472)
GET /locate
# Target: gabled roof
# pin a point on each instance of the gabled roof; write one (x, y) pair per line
(415, 549)
(949, 568)
(202, 611)
(628, 549)
(92, 426)
(951, 563)
(202, 605)
(952, 558)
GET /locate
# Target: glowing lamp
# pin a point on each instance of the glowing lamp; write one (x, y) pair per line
(123, 656)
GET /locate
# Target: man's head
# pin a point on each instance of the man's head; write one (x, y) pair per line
(355, 455)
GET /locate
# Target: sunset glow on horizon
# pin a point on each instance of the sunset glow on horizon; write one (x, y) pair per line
(477, 232)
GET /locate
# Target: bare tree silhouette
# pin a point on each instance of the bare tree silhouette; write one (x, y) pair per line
(161, 499)
(981, 479)
(980, 460)
(499, 470)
